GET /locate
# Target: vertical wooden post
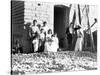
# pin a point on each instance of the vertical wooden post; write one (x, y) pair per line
(92, 41)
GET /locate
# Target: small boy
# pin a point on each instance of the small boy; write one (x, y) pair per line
(44, 27)
(41, 40)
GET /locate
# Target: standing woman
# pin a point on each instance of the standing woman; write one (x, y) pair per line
(79, 42)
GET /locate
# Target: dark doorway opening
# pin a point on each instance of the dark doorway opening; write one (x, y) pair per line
(61, 21)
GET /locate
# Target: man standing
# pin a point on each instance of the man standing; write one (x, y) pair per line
(34, 27)
(34, 35)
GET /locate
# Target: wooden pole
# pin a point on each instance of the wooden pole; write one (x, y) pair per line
(92, 41)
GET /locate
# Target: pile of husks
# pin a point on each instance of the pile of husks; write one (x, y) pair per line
(52, 62)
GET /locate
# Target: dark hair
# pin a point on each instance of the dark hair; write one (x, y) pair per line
(53, 35)
(44, 22)
(78, 27)
(67, 30)
(41, 29)
(34, 21)
(71, 23)
(39, 25)
(49, 30)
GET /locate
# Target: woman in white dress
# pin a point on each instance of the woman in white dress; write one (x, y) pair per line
(79, 42)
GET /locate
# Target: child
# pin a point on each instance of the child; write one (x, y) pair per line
(52, 44)
(49, 34)
(44, 27)
(48, 45)
(41, 40)
(55, 43)
(48, 41)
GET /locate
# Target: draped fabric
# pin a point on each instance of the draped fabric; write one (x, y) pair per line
(84, 19)
(74, 16)
(92, 15)
(83, 15)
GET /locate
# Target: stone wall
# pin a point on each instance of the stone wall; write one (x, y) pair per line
(40, 11)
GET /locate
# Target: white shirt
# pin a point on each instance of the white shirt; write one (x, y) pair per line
(35, 29)
(45, 29)
(42, 36)
(48, 35)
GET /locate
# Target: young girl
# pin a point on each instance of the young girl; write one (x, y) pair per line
(49, 34)
(52, 44)
(55, 43)
(48, 41)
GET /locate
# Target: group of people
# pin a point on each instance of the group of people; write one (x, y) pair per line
(43, 38)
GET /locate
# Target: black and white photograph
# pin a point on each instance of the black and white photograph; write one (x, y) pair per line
(53, 37)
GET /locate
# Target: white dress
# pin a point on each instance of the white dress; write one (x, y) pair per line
(79, 42)
(35, 43)
(52, 46)
(55, 44)
(48, 46)
(48, 43)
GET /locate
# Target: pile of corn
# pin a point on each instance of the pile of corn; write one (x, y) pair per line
(52, 62)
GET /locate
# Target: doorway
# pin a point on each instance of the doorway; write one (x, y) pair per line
(61, 21)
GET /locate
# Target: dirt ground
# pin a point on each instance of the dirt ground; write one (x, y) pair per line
(24, 64)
